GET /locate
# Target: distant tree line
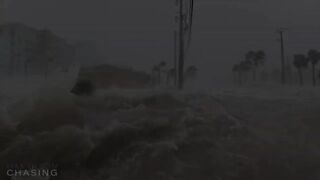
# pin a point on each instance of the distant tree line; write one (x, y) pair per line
(302, 61)
(162, 74)
(253, 60)
(251, 63)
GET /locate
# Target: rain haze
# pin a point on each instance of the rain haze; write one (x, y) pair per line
(140, 33)
(159, 90)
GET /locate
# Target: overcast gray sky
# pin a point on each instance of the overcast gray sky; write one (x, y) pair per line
(139, 33)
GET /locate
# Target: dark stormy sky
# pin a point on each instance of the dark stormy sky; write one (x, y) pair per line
(139, 33)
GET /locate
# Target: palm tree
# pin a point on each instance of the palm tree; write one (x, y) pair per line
(157, 71)
(236, 69)
(300, 62)
(162, 69)
(245, 67)
(314, 58)
(191, 72)
(171, 75)
(156, 74)
(249, 57)
(258, 60)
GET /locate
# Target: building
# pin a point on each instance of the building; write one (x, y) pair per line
(107, 76)
(28, 51)
(2, 12)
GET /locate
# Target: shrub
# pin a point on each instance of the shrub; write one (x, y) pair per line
(65, 147)
(83, 88)
(7, 134)
(50, 112)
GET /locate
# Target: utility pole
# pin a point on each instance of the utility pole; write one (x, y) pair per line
(181, 46)
(12, 62)
(175, 58)
(283, 64)
(184, 21)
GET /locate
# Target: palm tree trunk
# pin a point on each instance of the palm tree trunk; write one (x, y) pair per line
(159, 77)
(313, 75)
(240, 78)
(300, 76)
(246, 77)
(46, 71)
(153, 78)
(168, 78)
(26, 68)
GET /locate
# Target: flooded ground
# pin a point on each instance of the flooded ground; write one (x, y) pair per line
(149, 134)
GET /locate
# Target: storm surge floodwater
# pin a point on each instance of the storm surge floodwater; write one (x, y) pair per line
(136, 135)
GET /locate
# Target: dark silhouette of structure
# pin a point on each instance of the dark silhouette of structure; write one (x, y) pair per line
(83, 87)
